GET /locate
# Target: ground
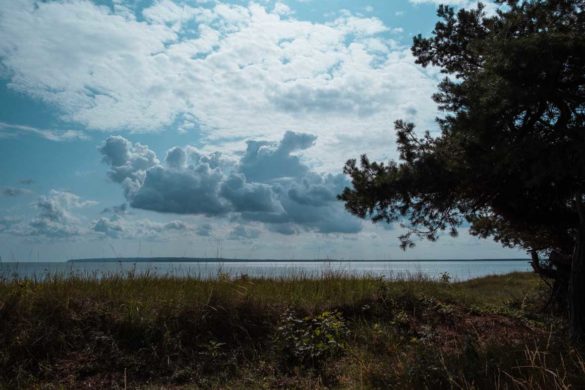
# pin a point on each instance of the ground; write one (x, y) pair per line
(339, 331)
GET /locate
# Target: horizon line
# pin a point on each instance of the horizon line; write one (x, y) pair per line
(170, 259)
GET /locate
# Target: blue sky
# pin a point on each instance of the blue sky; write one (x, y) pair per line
(172, 128)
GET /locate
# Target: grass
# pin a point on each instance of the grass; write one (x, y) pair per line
(337, 331)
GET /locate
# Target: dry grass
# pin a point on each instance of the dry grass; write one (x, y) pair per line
(142, 331)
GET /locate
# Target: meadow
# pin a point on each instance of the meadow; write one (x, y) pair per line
(336, 331)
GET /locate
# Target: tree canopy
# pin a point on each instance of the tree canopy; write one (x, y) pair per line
(510, 158)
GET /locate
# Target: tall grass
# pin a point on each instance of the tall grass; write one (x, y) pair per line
(299, 331)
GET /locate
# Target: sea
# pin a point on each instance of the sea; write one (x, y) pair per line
(455, 270)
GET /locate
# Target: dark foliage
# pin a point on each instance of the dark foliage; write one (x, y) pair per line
(510, 159)
(335, 332)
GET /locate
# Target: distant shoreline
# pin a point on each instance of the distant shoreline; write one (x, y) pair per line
(228, 260)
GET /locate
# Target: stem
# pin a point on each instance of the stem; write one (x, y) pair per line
(577, 280)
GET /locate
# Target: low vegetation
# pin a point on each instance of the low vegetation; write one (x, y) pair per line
(337, 331)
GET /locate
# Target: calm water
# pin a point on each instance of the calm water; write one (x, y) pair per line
(458, 270)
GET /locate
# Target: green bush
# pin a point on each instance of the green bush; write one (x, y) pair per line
(309, 341)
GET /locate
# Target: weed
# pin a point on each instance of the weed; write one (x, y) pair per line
(445, 277)
(299, 332)
(310, 341)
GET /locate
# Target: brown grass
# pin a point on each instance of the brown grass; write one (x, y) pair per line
(152, 332)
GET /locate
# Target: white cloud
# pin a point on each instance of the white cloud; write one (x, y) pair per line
(128, 162)
(204, 230)
(118, 226)
(170, 13)
(54, 218)
(12, 130)
(7, 222)
(84, 59)
(236, 70)
(282, 9)
(241, 232)
(269, 184)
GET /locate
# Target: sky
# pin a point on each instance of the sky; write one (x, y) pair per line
(206, 128)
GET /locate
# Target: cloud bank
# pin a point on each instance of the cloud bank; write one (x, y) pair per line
(268, 184)
(212, 68)
(55, 217)
(117, 226)
(58, 218)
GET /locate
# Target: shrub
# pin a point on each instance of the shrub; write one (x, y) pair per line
(310, 341)
(445, 277)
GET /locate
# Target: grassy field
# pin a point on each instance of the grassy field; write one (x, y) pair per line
(335, 332)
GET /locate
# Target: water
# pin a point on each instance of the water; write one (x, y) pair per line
(457, 269)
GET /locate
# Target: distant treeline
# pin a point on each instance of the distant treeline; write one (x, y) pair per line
(222, 260)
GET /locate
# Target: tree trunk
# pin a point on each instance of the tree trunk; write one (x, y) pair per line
(577, 283)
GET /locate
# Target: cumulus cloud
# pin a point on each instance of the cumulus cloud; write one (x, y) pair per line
(7, 222)
(217, 66)
(204, 230)
(245, 196)
(268, 184)
(286, 229)
(128, 162)
(176, 158)
(262, 161)
(282, 9)
(120, 209)
(241, 232)
(117, 226)
(191, 191)
(109, 227)
(55, 218)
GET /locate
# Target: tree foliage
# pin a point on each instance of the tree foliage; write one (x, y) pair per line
(510, 158)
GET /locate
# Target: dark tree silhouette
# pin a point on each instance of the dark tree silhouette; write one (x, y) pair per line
(510, 159)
